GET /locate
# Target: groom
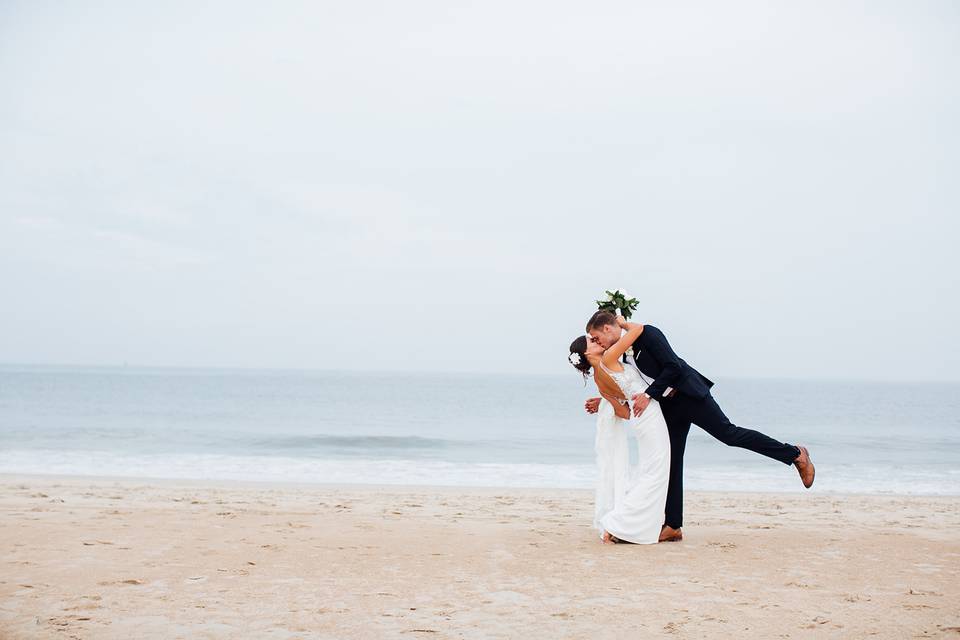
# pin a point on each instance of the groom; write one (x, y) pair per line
(684, 397)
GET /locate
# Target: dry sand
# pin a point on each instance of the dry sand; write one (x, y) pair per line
(100, 558)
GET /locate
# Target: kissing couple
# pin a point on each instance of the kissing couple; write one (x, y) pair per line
(644, 504)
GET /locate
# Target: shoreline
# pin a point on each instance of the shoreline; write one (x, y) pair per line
(403, 488)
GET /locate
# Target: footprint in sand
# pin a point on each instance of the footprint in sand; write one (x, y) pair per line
(673, 627)
(94, 603)
(856, 597)
(64, 621)
(819, 620)
(802, 585)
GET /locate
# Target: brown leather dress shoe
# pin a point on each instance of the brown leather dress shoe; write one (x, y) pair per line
(669, 534)
(805, 467)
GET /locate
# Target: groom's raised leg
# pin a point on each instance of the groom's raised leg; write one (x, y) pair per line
(707, 415)
(678, 429)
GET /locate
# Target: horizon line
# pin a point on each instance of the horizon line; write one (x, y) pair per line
(252, 369)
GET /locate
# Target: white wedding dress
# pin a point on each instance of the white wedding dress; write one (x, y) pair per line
(630, 499)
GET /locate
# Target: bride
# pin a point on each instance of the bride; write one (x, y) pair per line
(630, 499)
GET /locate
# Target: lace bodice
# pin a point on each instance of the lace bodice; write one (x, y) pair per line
(630, 380)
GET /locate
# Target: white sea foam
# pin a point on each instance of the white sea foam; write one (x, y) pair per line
(760, 478)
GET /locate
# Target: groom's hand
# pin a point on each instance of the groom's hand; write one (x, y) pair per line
(592, 405)
(640, 403)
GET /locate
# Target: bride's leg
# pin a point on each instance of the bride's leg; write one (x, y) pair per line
(648, 492)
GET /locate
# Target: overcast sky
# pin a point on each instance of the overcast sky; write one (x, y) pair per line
(427, 186)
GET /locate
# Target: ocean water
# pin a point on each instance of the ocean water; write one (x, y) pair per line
(450, 429)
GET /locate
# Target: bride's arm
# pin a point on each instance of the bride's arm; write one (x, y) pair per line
(633, 331)
(619, 407)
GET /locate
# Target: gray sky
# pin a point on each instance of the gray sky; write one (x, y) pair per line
(428, 186)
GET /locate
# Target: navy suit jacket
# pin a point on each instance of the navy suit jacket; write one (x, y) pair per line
(656, 359)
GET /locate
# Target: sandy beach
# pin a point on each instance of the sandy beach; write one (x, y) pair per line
(101, 558)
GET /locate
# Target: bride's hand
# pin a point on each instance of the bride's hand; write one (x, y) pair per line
(622, 322)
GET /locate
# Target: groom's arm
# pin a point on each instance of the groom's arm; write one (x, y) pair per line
(657, 346)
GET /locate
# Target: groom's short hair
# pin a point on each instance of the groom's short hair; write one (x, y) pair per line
(601, 319)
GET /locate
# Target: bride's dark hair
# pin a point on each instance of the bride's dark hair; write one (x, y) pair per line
(579, 361)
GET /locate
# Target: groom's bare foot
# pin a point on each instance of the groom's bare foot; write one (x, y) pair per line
(669, 534)
(805, 467)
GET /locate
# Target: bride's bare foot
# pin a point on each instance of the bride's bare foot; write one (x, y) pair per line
(609, 538)
(669, 534)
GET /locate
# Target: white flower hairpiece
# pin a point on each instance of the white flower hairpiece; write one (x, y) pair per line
(574, 359)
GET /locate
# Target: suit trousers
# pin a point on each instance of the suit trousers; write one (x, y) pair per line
(680, 412)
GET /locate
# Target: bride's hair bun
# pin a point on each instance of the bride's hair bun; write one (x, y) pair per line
(578, 355)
